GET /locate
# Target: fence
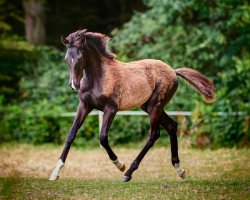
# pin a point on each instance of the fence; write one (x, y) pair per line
(141, 113)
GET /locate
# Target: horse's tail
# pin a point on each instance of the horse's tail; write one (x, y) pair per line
(201, 83)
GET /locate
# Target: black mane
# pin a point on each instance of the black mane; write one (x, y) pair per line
(98, 40)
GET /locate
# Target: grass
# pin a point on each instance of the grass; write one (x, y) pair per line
(37, 188)
(88, 174)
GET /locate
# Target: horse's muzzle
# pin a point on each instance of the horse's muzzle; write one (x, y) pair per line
(73, 86)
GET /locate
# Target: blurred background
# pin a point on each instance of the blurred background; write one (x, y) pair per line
(210, 36)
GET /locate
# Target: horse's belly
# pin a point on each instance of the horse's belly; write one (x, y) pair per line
(134, 96)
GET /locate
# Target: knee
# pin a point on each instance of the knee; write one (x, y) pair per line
(152, 140)
(71, 135)
(70, 138)
(151, 143)
(103, 140)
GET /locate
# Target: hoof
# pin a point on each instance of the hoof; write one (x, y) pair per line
(122, 169)
(183, 174)
(126, 179)
(53, 177)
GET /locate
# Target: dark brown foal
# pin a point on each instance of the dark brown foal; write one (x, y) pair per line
(109, 85)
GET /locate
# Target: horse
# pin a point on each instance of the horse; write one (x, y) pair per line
(109, 85)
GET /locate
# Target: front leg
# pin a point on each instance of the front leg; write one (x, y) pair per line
(81, 114)
(109, 114)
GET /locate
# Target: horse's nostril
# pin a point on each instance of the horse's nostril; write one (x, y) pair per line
(73, 86)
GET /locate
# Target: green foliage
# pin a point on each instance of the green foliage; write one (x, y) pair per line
(15, 53)
(200, 34)
(228, 130)
(211, 36)
(128, 129)
(43, 90)
(11, 16)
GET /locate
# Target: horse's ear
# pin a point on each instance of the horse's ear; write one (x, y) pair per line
(81, 34)
(82, 31)
(83, 38)
(64, 40)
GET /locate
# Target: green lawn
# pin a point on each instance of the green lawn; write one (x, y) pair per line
(37, 188)
(218, 174)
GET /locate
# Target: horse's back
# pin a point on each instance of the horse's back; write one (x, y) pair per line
(156, 71)
(156, 67)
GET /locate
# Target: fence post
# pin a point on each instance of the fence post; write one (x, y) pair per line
(100, 119)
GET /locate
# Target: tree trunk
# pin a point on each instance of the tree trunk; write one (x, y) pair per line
(34, 21)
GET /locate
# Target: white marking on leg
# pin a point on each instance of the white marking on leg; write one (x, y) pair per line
(118, 164)
(55, 174)
(180, 171)
(72, 60)
(72, 85)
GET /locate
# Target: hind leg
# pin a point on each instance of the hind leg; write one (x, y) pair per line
(154, 108)
(171, 126)
(154, 134)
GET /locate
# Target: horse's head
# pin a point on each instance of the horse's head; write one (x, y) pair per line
(75, 57)
(85, 47)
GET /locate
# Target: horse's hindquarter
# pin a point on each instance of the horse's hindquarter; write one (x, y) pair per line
(137, 81)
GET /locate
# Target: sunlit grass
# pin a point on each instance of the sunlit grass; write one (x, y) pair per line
(89, 174)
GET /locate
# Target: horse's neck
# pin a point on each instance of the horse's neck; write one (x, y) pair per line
(93, 69)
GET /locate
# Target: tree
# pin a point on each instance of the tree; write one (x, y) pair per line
(34, 21)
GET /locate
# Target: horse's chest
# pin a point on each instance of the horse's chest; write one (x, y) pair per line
(94, 97)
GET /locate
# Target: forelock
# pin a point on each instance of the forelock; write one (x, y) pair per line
(76, 39)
